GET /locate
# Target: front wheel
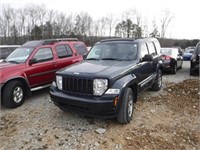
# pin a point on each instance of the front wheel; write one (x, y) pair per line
(192, 72)
(125, 113)
(13, 94)
(158, 82)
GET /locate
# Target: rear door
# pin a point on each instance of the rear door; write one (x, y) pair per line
(65, 56)
(145, 69)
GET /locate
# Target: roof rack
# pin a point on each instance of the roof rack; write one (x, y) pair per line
(36, 43)
(117, 39)
(52, 41)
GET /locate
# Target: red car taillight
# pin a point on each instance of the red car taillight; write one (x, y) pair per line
(166, 57)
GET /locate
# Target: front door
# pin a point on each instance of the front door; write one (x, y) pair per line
(42, 71)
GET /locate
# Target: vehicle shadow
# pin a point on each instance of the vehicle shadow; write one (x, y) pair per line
(38, 94)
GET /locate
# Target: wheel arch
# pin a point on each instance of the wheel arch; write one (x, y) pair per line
(129, 81)
(21, 79)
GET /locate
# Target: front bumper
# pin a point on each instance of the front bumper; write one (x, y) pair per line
(167, 66)
(91, 106)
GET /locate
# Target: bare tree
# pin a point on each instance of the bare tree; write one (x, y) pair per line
(166, 18)
(83, 23)
(70, 23)
(33, 18)
(95, 28)
(111, 23)
(154, 32)
(102, 25)
(41, 10)
(7, 13)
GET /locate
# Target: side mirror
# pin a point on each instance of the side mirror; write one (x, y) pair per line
(32, 61)
(84, 56)
(148, 57)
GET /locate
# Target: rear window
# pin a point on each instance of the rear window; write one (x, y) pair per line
(81, 49)
(63, 51)
(166, 51)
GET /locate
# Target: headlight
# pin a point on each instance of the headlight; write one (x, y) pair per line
(59, 82)
(100, 86)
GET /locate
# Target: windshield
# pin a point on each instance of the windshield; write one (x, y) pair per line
(19, 55)
(113, 51)
(167, 52)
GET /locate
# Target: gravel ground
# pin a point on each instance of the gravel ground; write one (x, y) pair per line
(168, 119)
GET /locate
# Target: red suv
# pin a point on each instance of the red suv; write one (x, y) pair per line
(33, 65)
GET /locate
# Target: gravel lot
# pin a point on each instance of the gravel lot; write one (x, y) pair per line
(168, 119)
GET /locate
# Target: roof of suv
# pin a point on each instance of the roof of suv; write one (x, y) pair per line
(36, 43)
(127, 39)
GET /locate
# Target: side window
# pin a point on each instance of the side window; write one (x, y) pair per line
(144, 50)
(63, 51)
(151, 48)
(157, 46)
(43, 54)
(69, 51)
(81, 49)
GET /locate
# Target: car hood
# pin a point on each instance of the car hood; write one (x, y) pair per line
(10, 66)
(102, 68)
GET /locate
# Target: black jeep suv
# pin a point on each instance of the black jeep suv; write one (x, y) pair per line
(107, 83)
(194, 61)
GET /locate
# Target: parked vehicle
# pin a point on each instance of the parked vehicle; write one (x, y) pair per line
(5, 50)
(33, 65)
(172, 59)
(194, 61)
(180, 50)
(188, 53)
(107, 83)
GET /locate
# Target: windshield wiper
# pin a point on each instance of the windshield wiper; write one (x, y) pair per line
(92, 59)
(111, 59)
(12, 61)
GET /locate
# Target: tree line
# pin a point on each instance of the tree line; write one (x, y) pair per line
(35, 22)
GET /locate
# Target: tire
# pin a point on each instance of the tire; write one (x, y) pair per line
(125, 113)
(158, 82)
(13, 94)
(181, 65)
(192, 72)
(174, 69)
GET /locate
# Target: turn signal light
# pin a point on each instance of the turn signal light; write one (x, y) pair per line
(115, 101)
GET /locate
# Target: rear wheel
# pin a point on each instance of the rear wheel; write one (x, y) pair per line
(158, 83)
(174, 69)
(125, 113)
(13, 94)
(181, 65)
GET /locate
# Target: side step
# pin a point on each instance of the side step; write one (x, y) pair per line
(40, 87)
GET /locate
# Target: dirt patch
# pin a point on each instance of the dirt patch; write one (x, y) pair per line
(168, 119)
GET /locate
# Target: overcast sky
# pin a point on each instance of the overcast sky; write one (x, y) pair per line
(185, 24)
